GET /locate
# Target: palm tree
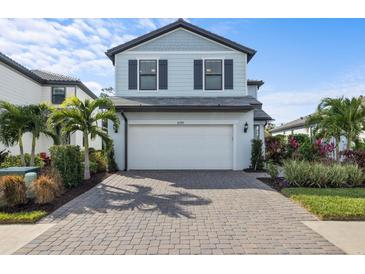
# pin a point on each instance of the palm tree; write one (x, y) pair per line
(76, 115)
(342, 116)
(325, 125)
(37, 124)
(13, 124)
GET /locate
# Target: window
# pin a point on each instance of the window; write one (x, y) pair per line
(148, 75)
(213, 74)
(256, 130)
(58, 95)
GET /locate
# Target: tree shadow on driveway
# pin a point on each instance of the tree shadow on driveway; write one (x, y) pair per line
(137, 197)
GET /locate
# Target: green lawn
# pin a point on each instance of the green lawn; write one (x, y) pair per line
(331, 203)
(21, 217)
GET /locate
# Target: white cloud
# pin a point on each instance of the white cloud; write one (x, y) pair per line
(94, 87)
(285, 106)
(73, 46)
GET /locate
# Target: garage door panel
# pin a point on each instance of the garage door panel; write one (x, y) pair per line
(180, 147)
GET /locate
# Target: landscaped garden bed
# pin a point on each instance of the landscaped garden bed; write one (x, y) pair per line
(313, 172)
(31, 212)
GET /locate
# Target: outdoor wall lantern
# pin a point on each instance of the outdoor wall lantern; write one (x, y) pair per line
(245, 128)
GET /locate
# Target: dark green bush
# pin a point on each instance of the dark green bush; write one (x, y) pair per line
(112, 165)
(3, 154)
(93, 167)
(100, 159)
(14, 160)
(66, 159)
(257, 159)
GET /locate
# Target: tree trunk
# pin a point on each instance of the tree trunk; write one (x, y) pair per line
(32, 154)
(349, 141)
(21, 149)
(86, 158)
(337, 149)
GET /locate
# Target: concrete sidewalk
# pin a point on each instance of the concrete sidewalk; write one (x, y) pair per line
(13, 237)
(349, 236)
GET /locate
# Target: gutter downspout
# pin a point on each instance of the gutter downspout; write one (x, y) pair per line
(125, 141)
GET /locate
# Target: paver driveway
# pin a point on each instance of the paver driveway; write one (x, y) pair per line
(175, 212)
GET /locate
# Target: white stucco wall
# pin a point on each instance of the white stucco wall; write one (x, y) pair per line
(241, 142)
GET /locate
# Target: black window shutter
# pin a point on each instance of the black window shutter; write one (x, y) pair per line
(198, 74)
(162, 74)
(132, 74)
(228, 74)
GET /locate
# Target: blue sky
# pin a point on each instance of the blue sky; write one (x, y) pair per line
(300, 60)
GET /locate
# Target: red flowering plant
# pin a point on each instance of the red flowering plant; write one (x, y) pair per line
(325, 150)
(275, 148)
(354, 157)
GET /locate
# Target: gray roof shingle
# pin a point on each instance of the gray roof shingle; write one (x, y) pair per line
(298, 123)
(260, 115)
(51, 76)
(243, 103)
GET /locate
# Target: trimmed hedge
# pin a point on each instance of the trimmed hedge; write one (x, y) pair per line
(66, 159)
(309, 174)
(14, 160)
(257, 159)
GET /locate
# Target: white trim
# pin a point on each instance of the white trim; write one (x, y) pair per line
(213, 90)
(157, 78)
(234, 147)
(180, 28)
(179, 52)
(185, 122)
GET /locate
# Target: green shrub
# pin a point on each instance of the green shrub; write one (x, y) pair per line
(100, 159)
(14, 190)
(356, 175)
(14, 160)
(257, 159)
(307, 151)
(93, 167)
(272, 170)
(296, 172)
(112, 165)
(66, 159)
(310, 174)
(3, 154)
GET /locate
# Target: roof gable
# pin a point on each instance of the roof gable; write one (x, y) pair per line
(175, 25)
(180, 40)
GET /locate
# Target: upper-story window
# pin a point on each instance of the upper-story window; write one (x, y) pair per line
(58, 95)
(213, 74)
(148, 75)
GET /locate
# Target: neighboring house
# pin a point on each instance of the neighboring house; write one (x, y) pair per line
(21, 86)
(293, 127)
(184, 101)
(299, 126)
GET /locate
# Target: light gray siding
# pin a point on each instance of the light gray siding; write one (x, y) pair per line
(252, 91)
(180, 74)
(181, 40)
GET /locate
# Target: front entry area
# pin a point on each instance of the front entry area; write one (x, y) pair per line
(180, 147)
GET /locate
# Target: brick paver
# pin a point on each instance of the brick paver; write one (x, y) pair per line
(180, 212)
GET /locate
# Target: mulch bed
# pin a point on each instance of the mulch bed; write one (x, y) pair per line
(250, 170)
(69, 194)
(277, 184)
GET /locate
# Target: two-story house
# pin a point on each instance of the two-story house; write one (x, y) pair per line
(21, 86)
(184, 101)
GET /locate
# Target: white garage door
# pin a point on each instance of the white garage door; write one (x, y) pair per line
(180, 147)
